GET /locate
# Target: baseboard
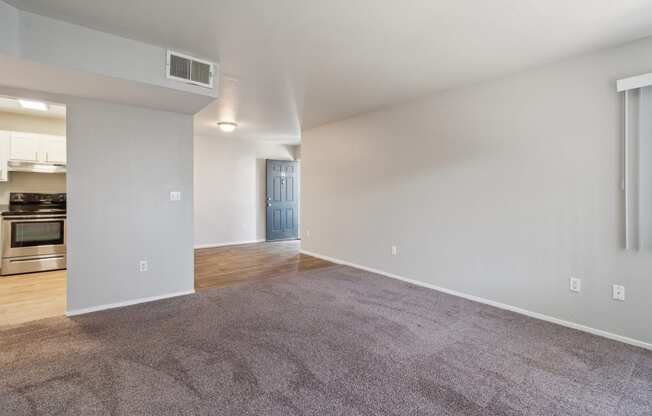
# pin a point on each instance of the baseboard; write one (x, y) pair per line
(531, 314)
(233, 243)
(76, 312)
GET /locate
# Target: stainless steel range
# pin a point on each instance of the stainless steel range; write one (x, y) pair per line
(34, 233)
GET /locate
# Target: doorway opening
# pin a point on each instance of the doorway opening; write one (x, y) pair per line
(231, 192)
(33, 160)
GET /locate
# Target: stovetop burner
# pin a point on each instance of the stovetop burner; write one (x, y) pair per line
(23, 203)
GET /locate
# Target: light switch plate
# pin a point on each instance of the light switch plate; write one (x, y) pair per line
(175, 196)
(575, 284)
(618, 293)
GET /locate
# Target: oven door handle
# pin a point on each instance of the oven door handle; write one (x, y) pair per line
(37, 259)
(34, 218)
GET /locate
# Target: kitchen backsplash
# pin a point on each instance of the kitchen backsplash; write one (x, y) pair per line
(32, 182)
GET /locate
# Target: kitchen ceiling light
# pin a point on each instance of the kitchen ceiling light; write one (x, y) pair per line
(227, 126)
(33, 105)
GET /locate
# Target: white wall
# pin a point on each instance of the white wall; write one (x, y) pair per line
(32, 182)
(60, 44)
(123, 161)
(42, 53)
(8, 29)
(229, 188)
(501, 190)
(31, 124)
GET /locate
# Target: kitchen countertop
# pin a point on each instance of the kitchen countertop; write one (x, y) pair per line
(4, 209)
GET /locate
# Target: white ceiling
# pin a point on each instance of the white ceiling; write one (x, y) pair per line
(11, 105)
(296, 64)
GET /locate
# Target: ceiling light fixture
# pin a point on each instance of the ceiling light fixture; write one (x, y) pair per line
(227, 126)
(33, 105)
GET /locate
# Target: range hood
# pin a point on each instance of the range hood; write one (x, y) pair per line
(36, 167)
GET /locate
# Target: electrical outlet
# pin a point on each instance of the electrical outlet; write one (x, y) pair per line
(143, 266)
(618, 293)
(394, 250)
(175, 196)
(575, 284)
(307, 233)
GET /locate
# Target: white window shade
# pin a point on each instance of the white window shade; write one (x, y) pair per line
(644, 165)
(637, 161)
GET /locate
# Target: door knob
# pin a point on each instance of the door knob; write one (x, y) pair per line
(269, 204)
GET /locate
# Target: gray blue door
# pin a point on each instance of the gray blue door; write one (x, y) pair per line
(282, 200)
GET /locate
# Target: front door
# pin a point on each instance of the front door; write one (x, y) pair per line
(282, 200)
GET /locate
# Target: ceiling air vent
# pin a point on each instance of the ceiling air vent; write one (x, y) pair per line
(190, 70)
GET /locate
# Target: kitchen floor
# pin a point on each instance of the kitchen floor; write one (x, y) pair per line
(33, 296)
(230, 265)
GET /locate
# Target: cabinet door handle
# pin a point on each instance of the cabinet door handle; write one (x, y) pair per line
(46, 157)
(36, 156)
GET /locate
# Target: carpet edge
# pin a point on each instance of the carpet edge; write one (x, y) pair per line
(499, 305)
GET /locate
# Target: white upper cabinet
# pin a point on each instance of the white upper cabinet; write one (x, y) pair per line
(28, 147)
(53, 149)
(24, 147)
(5, 138)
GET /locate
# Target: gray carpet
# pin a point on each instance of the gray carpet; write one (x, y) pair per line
(335, 341)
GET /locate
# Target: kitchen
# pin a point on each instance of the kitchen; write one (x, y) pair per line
(33, 210)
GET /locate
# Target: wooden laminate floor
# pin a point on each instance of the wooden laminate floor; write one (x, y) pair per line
(29, 297)
(224, 266)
